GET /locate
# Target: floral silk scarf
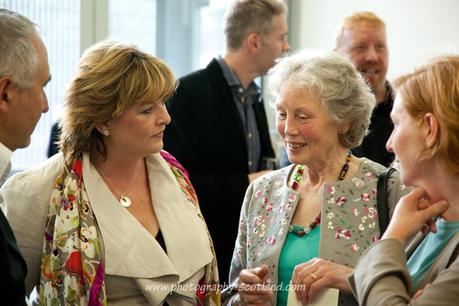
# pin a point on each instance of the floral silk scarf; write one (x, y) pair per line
(72, 267)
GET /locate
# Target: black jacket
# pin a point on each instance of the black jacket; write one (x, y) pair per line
(207, 136)
(13, 267)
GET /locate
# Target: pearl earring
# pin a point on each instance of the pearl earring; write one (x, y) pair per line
(106, 132)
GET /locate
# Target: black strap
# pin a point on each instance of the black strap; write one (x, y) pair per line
(381, 199)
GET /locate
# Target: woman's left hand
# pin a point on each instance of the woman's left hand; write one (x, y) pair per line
(413, 213)
(313, 276)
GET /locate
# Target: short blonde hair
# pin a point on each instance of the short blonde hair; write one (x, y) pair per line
(112, 76)
(434, 88)
(355, 18)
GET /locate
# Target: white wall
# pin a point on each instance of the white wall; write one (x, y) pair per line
(416, 29)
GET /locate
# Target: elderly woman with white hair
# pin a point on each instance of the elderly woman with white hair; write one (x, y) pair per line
(309, 222)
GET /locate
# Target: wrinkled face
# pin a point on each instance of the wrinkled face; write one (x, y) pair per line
(138, 132)
(406, 141)
(309, 134)
(28, 104)
(366, 46)
(274, 44)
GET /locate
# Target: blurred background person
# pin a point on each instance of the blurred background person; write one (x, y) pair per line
(109, 219)
(362, 37)
(308, 223)
(24, 72)
(219, 129)
(425, 141)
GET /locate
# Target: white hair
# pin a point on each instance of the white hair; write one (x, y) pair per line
(340, 87)
(18, 55)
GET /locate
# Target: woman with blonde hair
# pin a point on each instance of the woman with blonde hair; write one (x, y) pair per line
(109, 219)
(425, 141)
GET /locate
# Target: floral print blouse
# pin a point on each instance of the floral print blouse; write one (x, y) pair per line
(349, 218)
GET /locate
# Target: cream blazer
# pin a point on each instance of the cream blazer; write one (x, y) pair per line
(138, 271)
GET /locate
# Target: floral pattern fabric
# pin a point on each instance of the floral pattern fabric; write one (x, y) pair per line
(349, 218)
(72, 268)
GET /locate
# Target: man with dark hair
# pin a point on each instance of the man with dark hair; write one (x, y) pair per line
(219, 130)
(24, 72)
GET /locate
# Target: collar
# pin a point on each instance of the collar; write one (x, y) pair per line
(232, 79)
(5, 162)
(131, 250)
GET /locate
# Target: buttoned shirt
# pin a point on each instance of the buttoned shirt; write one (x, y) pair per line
(244, 99)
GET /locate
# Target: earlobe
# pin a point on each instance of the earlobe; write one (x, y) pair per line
(432, 129)
(103, 129)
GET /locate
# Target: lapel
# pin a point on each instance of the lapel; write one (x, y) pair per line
(225, 97)
(441, 262)
(130, 250)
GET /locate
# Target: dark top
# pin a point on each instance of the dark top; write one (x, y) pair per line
(207, 137)
(53, 148)
(13, 268)
(381, 126)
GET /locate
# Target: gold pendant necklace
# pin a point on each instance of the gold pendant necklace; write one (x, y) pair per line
(123, 199)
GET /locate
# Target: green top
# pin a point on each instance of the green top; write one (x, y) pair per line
(429, 249)
(296, 250)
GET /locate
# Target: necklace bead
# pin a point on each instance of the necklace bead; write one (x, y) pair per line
(299, 230)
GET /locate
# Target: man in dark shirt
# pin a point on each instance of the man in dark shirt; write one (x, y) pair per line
(219, 130)
(362, 37)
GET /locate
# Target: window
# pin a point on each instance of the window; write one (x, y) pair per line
(59, 24)
(184, 33)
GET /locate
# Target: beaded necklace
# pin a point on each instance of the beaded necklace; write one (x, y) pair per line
(299, 230)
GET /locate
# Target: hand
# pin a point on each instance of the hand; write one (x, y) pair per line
(419, 292)
(255, 175)
(311, 277)
(412, 214)
(253, 286)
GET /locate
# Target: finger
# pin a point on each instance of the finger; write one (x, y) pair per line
(433, 226)
(306, 285)
(297, 270)
(250, 276)
(316, 287)
(261, 272)
(434, 210)
(418, 294)
(423, 204)
(415, 195)
(249, 299)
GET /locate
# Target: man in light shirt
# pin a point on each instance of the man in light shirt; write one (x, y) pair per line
(24, 72)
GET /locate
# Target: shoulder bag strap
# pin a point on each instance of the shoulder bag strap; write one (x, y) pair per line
(381, 199)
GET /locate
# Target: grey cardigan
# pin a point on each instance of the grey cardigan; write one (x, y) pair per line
(349, 219)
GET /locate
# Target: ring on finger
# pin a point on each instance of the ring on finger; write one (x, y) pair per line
(314, 276)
